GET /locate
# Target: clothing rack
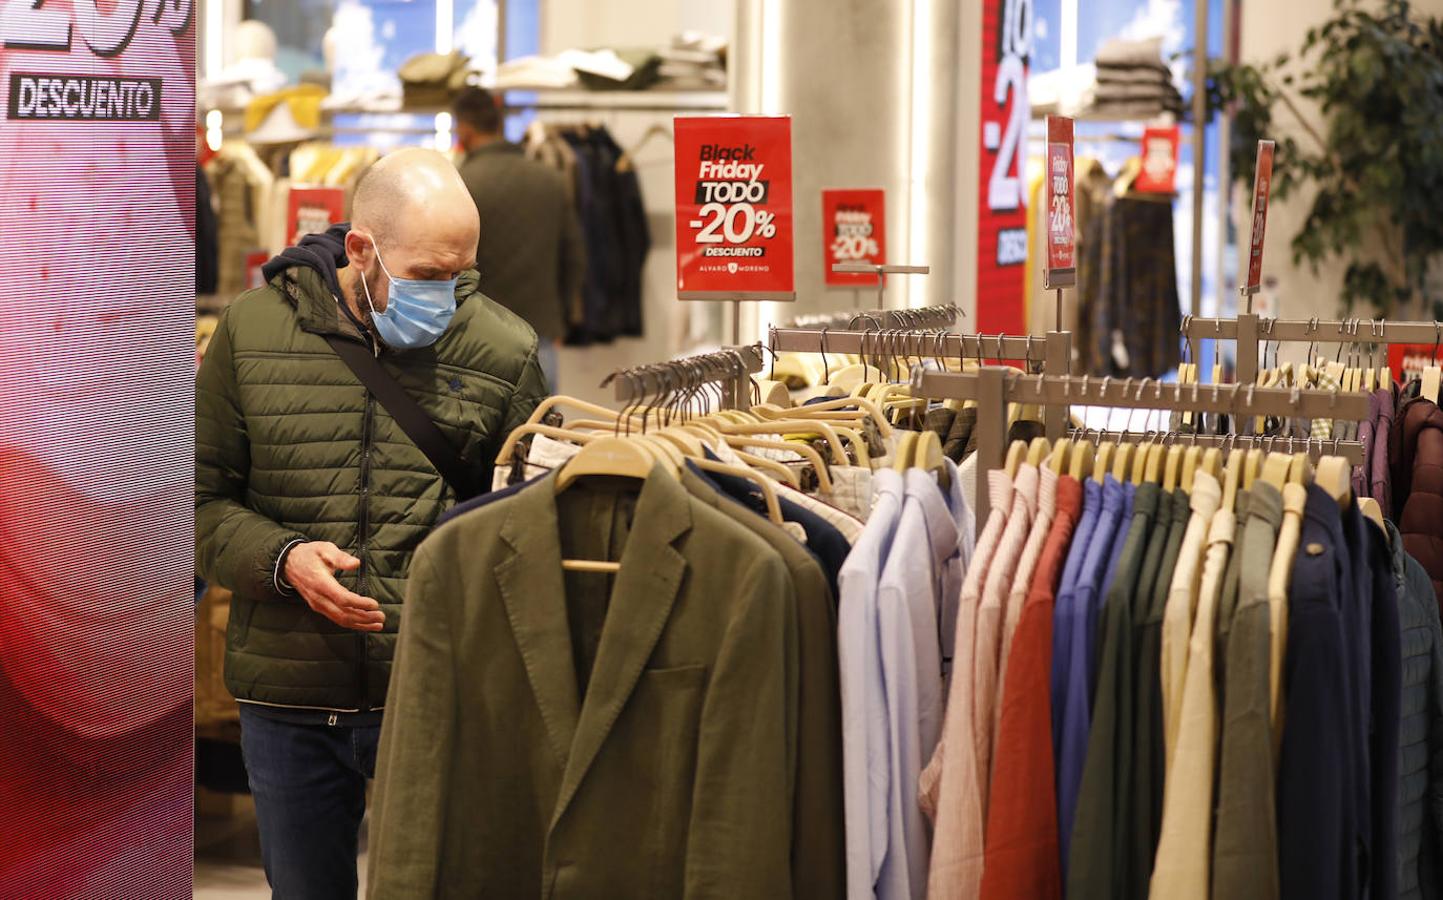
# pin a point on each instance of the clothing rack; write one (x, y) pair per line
(1352, 451)
(918, 317)
(1055, 347)
(1249, 330)
(993, 387)
(729, 367)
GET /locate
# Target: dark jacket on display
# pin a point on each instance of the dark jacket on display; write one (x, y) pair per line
(1420, 751)
(291, 447)
(1415, 450)
(531, 258)
(560, 734)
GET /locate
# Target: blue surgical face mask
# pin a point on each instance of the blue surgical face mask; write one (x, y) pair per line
(417, 312)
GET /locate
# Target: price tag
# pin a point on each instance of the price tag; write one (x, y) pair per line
(1061, 269)
(734, 208)
(1262, 187)
(853, 230)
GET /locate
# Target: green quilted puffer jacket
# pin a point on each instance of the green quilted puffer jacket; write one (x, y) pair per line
(290, 446)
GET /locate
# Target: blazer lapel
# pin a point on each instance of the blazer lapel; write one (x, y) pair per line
(531, 585)
(646, 587)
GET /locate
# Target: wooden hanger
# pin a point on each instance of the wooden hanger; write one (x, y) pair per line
(508, 448)
(1173, 466)
(905, 452)
(813, 458)
(1016, 453)
(610, 456)
(828, 409)
(1037, 451)
(1080, 465)
(1373, 511)
(1334, 475)
(1102, 464)
(1057, 459)
(1301, 471)
(1252, 463)
(927, 455)
(1275, 469)
(1212, 462)
(1152, 472)
(1191, 459)
(793, 426)
(1122, 462)
(769, 492)
(773, 468)
(1232, 479)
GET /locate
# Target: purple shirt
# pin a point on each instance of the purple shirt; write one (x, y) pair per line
(1077, 693)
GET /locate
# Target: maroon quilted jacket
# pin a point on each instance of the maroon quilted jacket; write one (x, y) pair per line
(1415, 455)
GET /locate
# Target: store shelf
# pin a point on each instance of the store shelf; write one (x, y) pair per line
(679, 101)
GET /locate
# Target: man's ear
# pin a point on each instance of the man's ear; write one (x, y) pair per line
(359, 249)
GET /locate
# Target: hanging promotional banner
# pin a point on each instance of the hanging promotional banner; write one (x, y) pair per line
(734, 208)
(1159, 161)
(1061, 263)
(311, 210)
(1007, 30)
(1262, 186)
(854, 229)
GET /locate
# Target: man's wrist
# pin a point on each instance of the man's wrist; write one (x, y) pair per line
(283, 586)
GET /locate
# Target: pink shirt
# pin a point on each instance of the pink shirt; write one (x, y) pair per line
(1022, 578)
(992, 613)
(951, 788)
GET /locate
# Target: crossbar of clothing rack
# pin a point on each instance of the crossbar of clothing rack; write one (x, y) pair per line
(729, 367)
(1250, 330)
(993, 387)
(1055, 351)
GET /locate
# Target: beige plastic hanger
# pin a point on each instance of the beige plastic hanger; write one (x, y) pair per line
(1232, 479)
(610, 456)
(1037, 451)
(1016, 453)
(1334, 475)
(1172, 467)
(769, 492)
(1057, 458)
(927, 455)
(905, 452)
(508, 448)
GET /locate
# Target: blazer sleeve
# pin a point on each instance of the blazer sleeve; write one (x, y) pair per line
(413, 764)
(743, 758)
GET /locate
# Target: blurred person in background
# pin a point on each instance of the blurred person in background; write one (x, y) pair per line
(310, 497)
(531, 257)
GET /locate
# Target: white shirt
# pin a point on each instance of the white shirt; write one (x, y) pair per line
(865, 759)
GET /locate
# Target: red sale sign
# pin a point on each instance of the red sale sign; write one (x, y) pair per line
(854, 229)
(1159, 161)
(312, 210)
(734, 208)
(1262, 186)
(1061, 269)
(1002, 216)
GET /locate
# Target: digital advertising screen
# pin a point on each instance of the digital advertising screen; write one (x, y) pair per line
(97, 221)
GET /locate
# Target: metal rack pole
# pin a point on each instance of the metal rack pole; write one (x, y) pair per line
(992, 434)
(1057, 362)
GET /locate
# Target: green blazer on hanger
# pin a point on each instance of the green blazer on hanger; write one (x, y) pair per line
(551, 735)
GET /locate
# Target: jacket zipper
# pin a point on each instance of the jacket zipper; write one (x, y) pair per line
(326, 709)
(364, 537)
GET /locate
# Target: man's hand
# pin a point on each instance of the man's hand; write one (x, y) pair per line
(311, 568)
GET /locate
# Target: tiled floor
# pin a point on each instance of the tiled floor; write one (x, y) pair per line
(228, 856)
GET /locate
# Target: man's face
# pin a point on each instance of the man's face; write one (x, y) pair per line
(435, 247)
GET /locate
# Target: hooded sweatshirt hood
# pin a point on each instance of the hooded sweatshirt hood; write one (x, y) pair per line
(325, 252)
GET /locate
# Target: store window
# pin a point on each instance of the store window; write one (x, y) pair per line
(300, 28)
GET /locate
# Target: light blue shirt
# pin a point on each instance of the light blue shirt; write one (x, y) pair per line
(866, 763)
(920, 588)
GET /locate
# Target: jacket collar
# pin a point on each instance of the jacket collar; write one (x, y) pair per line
(492, 149)
(534, 592)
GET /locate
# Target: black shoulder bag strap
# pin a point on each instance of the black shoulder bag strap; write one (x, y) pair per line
(408, 414)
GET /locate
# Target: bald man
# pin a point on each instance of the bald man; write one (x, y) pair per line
(310, 498)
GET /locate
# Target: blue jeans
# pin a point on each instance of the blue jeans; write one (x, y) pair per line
(309, 785)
